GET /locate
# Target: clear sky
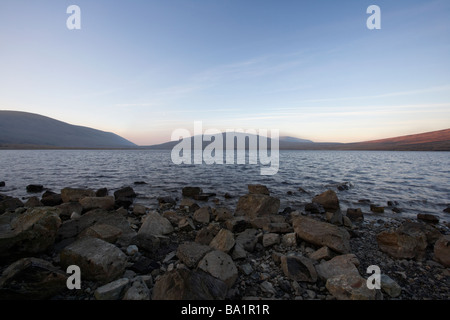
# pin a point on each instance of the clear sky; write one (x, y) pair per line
(311, 69)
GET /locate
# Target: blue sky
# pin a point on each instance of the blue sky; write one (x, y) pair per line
(311, 69)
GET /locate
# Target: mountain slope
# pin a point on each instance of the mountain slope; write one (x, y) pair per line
(29, 129)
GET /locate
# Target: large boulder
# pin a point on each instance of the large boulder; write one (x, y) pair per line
(31, 232)
(155, 224)
(31, 279)
(183, 284)
(75, 194)
(406, 242)
(328, 200)
(255, 205)
(223, 241)
(442, 250)
(322, 234)
(220, 265)
(343, 264)
(98, 260)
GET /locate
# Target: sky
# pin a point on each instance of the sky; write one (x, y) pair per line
(311, 69)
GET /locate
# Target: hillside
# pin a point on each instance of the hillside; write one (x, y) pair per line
(28, 130)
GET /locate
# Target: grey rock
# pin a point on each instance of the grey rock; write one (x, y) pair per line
(190, 253)
(219, 265)
(112, 290)
(298, 268)
(223, 241)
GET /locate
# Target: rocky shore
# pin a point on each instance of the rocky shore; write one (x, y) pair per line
(197, 247)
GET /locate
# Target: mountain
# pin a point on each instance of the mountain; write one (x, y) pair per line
(429, 141)
(23, 129)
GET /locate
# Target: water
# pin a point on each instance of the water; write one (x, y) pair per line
(418, 181)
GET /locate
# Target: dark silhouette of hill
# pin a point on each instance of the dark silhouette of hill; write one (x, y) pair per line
(29, 130)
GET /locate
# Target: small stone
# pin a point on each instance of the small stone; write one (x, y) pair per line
(2, 183)
(376, 209)
(389, 286)
(267, 287)
(270, 239)
(322, 253)
(202, 215)
(246, 268)
(139, 210)
(138, 291)
(223, 241)
(289, 239)
(347, 222)
(132, 250)
(431, 218)
(355, 214)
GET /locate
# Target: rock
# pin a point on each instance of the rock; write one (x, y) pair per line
(172, 216)
(314, 208)
(223, 241)
(222, 214)
(396, 210)
(389, 286)
(33, 202)
(139, 210)
(132, 250)
(335, 217)
(220, 265)
(98, 260)
(322, 253)
(344, 264)
(355, 214)
(102, 192)
(101, 231)
(206, 234)
(447, 210)
(248, 239)
(258, 189)
(270, 239)
(186, 224)
(166, 202)
(328, 200)
(278, 227)
(138, 291)
(183, 284)
(406, 242)
(228, 195)
(349, 287)
(255, 205)
(66, 209)
(376, 209)
(144, 265)
(126, 192)
(203, 196)
(31, 279)
(2, 184)
(289, 239)
(202, 215)
(238, 224)
(51, 199)
(31, 232)
(112, 290)
(298, 268)
(267, 287)
(89, 203)
(190, 253)
(35, 188)
(10, 204)
(154, 224)
(239, 252)
(431, 218)
(322, 234)
(189, 205)
(442, 250)
(74, 195)
(191, 191)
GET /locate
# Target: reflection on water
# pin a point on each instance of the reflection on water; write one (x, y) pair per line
(418, 181)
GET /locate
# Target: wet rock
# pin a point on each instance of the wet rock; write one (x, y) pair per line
(322, 234)
(314, 208)
(33, 202)
(219, 265)
(102, 192)
(376, 209)
(334, 217)
(389, 286)
(328, 200)
(203, 196)
(124, 197)
(166, 202)
(2, 184)
(322, 253)
(51, 199)
(10, 204)
(223, 241)
(139, 210)
(349, 287)
(104, 232)
(431, 218)
(31, 279)
(344, 264)
(112, 290)
(355, 214)
(190, 253)
(202, 215)
(396, 210)
(191, 191)
(298, 268)
(89, 203)
(138, 291)
(238, 224)
(154, 224)
(35, 188)
(258, 189)
(33, 231)
(67, 209)
(74, 195)
(189, 205)
(406, 242)
(270, 239)
(442, 250)
(248, 239)
(447, 210)
(98, 260)
(183, 284)
(255, 205)
(132, 250)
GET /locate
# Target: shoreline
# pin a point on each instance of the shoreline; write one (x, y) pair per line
(253, 251)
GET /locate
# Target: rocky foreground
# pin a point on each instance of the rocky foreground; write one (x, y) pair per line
(196, 248)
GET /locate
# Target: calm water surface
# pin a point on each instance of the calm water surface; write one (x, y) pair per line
(418, 181)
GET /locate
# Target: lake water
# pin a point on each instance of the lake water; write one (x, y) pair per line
(418, 181)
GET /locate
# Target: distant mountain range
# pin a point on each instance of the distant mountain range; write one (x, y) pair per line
(29, 130)
(20, 130)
